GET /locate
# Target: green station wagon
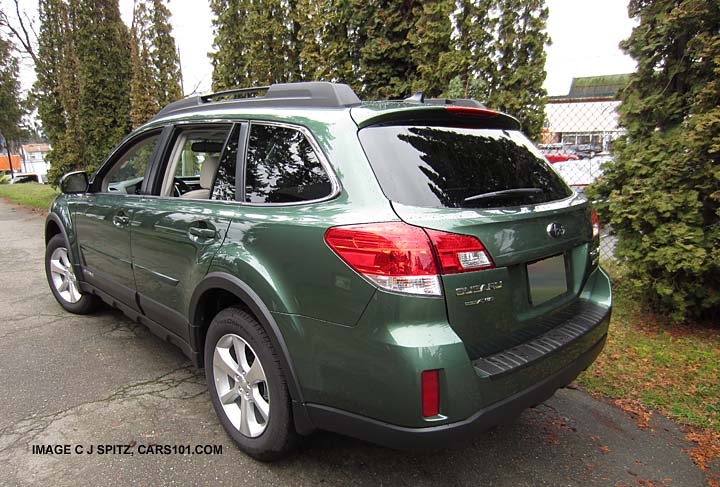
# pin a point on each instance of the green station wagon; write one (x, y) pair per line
(406, 272)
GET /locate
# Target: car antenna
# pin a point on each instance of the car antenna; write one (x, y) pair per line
(418, 97)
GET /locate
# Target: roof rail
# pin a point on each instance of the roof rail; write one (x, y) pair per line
(208, 97)
(313, 94)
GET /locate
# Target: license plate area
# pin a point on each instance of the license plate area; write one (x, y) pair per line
(547, 279)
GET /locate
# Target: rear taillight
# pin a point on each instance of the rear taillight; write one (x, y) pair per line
(430, 387)
(395, 256)
(595, 224)
(459, 253)
(400, 257)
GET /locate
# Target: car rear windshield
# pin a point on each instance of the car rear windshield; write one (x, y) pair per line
(450, 167)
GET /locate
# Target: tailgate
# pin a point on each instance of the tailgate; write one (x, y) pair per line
(494, 185)
(536, 276)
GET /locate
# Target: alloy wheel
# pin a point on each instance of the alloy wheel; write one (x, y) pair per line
(63, 276)
(241, 385)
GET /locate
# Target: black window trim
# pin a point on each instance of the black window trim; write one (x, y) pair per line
(334, 181)
(240, 161)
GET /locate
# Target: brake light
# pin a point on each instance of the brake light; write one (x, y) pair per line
(400, 257)
(459, 253)
(595, 224)
(470, 111)
(430, 387)
(394, 255)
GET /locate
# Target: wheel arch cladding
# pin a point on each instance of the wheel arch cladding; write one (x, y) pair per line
(219, 290)
(51, 229)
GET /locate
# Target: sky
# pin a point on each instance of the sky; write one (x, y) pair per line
(585, 36)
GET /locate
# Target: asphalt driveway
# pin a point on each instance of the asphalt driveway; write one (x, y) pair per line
(91, 381)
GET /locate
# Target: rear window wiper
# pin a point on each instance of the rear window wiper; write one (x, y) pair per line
(506, 193)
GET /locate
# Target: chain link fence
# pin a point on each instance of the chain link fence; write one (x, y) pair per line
(576, 140)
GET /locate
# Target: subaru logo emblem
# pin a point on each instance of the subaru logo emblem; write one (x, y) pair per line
(556, 230)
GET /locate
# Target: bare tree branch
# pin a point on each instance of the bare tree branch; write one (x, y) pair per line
(20, 32)
(197, 85)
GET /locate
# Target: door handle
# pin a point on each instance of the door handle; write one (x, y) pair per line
(121, 220)
(202, 232)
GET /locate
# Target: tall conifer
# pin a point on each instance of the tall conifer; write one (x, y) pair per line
(662, 192)
(518, 84)
(386, 58)
(102, 45)
(154, 61)
(164, 56)
(11, 109)
(231, 49)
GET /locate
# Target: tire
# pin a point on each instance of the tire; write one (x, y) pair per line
(62, 281)
(267, 432)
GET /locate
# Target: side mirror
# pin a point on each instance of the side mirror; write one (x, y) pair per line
(74, 182)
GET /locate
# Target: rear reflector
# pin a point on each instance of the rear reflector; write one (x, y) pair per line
(430, 385)
(459, 253)
(401, 258)
(595, 224)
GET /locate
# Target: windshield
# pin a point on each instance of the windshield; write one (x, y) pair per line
(450, 167)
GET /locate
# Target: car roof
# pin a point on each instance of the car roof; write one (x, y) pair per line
(301, 99)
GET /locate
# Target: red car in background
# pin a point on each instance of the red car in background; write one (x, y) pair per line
(553, 158)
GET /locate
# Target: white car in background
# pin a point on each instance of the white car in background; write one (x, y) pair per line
(29, 178)
(581, 172)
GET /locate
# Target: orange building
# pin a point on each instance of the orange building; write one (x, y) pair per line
(5, 165)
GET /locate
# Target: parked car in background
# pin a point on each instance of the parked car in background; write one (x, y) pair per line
(553, 158)
(19, 178)
(409, 272)
(579, 173)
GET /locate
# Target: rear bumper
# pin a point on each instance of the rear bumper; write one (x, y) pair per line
(452, 434)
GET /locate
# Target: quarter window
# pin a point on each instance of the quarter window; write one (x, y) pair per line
(283, 167)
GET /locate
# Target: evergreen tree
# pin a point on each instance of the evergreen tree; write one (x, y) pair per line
(154, 61)
(11, 106)
(46, 90)
(102, 46)
(144, 101)
(231, 53)
(517, 87)
(386, 58)
(663, 189)
(327, 50)
(165, 56)
(57, 87)
(256, 43)
(471, 60)
(430, 41)
(268, 38)
(70, 153)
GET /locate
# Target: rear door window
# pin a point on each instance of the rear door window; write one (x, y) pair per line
(283, 167)
(450, 167)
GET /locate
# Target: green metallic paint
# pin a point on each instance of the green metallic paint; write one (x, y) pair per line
(168, 260)
(103, 243)
(513, 237)
(352, 346)
(280, 252)
(373, 369)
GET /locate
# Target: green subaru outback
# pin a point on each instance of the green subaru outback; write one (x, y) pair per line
(406, 272)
